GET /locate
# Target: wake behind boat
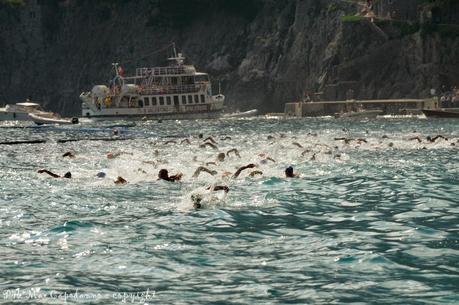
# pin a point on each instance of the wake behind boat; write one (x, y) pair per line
(245, 114)
(176, 91)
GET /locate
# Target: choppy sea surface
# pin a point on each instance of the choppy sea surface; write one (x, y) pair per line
(374, 221)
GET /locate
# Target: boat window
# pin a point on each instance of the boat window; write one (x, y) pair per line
(190, 99)
(168, 99)
(161, 100)
(174, 80)
(147, 101)
(203, 99)
(202, 78)
(153, 101)
(196, 99)
(176, 100)
(183, 99)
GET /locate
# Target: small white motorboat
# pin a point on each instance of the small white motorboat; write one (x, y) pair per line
(245, 114)
(41, 119)
(20, 111)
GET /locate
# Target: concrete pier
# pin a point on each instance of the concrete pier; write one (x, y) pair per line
(390, 107)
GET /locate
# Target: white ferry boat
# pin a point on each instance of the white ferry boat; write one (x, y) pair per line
(176, 91)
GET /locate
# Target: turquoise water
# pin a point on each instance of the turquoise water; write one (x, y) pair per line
(369, 223)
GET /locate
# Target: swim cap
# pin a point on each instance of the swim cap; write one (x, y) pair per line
(101, 175)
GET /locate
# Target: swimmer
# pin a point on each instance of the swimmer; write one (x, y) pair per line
(235, 151)
(120, 180)
(211, 163)
(290, 174)
(361, 140)
(239, 171)
(270, 138)
(197, 198)
(210, 139)
(170, 142)
(297, 144)
(208, 144)
(111, 155)
(150, 163)
(221, 157)
(255, 173)
(164, 175)
(203, 169)
(226, 138)
(266, 158)
(115, 132)
(185, 141)
(346, 140)
(307, 151)
(101, 175)
(432, 140)
(68, 154)
(415, 138)
(200, 136)
(67, 175)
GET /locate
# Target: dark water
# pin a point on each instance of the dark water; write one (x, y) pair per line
(368, 223)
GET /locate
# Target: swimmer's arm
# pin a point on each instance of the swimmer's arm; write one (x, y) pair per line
(176, 177)
(41, 171)
(297, 144)
(208, 144)
(239, 171)
(415, 138)
(254, 173)
(235, 151)
(210, 139)
(203, 169)
(271, 159)
(221, 188)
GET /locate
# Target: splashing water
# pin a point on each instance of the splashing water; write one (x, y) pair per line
(373, 221)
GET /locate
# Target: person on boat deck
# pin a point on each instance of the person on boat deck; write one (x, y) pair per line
(164, 175)
(67, 175)
(290, 174)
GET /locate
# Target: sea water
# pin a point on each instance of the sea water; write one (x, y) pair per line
(366, 222)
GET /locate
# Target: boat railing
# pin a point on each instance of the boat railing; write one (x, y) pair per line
(171, 89)
(162, 71)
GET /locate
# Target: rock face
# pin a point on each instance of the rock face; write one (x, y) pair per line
(264, 52)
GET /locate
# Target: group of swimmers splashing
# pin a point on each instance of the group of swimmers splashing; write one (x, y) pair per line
(163, 173)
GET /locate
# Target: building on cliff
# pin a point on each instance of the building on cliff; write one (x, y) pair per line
(445, 12)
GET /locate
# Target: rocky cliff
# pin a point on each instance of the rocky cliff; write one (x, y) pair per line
(264, 52)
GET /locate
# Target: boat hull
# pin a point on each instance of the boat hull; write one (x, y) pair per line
(163, 116)
(14, 116)
(442, 113)
(44, 120)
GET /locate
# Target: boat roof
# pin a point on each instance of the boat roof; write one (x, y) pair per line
(27, 104)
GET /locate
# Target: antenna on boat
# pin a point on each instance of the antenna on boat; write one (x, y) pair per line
(177, 57)
(115, 66)
(174, 49)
